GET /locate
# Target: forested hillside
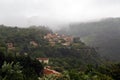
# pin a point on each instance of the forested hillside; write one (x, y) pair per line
(104, 34)
(20, 49)
(31, 41)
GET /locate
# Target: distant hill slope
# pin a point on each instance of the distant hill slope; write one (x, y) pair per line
(104, 34)
(31, 41)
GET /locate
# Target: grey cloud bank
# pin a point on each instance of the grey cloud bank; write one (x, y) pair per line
(54, 12)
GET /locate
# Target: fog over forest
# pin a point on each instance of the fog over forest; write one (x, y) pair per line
(103, 34)
(59, 39)
(83, 18)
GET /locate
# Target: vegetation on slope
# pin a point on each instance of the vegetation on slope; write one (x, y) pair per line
(103, 34)
(76, 61)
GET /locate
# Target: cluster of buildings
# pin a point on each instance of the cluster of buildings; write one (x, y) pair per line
(55, 38)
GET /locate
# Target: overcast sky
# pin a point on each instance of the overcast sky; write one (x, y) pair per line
(54, 12)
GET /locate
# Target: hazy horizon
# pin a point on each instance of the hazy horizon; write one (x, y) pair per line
(55, 13)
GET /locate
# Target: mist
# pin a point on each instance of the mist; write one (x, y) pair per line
(55, 13)
(60, 39)
(71, 17)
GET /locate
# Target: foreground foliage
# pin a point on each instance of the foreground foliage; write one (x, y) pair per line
(109, 72)
(19, 68)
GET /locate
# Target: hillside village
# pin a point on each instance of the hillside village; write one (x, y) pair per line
(56, 52)
(53, 39)
(65, 40)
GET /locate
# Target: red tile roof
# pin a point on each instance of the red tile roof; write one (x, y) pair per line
(49, 71)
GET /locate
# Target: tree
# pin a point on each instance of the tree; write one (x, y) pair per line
(32, 69)
(11, 71)
(2, 58)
